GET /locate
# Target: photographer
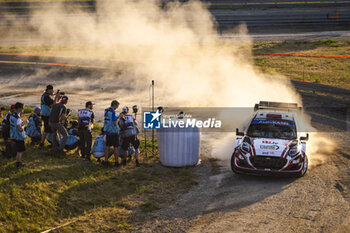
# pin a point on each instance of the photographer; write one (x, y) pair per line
(46, 104)
(111, 128)
(6, 124)
(57, 116)
(86, 121)
(17, 132)
(72, 141)
(33, 129)
(128, 134)
(5, 127)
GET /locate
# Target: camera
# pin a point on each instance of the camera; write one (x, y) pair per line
(160, 109)
(134, 109)
(61, 93)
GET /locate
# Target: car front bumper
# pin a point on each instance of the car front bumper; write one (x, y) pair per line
(245, 167)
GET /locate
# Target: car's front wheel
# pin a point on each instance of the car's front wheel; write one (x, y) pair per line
(304, 170)
(233, 168)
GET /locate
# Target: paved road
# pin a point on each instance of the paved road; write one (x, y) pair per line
(259, 15)
(289, 36)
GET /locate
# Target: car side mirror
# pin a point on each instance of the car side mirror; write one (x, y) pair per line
(239, 133)
(305, 138)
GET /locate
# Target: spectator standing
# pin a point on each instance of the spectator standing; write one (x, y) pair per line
(57, 116)
(17, 132)
(6, 124)
(86, 121)
(111, 129)
(46, 104)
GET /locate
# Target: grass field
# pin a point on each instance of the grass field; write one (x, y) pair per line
(330, 71)
(51, 191)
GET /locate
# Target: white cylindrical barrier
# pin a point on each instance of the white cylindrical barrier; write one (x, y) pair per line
(179, 147)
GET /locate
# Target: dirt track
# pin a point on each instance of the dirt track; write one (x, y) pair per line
(226, 202)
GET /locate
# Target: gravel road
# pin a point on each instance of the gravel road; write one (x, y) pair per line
(226, 202)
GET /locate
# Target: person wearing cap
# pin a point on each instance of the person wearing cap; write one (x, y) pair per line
(46, 104)
(128, 134)
(57, 116)
(33, 129)
(86, 121)
(111, 129)
(17, 132)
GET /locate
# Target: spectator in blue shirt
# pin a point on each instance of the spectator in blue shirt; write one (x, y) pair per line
(111, 128)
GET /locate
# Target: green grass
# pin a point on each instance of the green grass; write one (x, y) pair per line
(28, 110)
(54, 190)
(149, 206)
(329, 71)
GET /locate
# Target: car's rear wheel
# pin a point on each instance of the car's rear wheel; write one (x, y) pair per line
(304, 170)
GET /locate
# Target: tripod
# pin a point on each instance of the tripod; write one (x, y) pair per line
(146, 150)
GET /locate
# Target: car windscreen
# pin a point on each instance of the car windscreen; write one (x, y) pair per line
(287, 132)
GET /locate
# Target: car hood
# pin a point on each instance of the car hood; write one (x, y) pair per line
(269, 147)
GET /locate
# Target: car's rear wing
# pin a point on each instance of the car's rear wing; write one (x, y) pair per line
(277, 106)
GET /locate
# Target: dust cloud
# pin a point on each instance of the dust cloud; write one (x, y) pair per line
(319, 148)
(177, 46)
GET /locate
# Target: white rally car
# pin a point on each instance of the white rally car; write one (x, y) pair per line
(271, 144)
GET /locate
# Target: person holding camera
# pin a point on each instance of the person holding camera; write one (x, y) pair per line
(58, 115)
(17, 132)
(128, 134)
(46, 104)
(86, 121)
(111, 129)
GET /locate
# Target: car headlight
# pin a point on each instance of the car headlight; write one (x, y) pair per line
(245, 147)
(294, 151)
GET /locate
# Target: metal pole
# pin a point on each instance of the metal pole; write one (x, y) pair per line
(153, 111)
(145, 137)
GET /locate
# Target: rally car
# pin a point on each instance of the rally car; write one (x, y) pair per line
(271, 143)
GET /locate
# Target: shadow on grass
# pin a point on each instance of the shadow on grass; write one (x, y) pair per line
(44, 168)
(107, 192)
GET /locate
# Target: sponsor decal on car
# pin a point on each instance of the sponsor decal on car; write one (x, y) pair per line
(272, 122)
(269, 147)
(269, 142)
